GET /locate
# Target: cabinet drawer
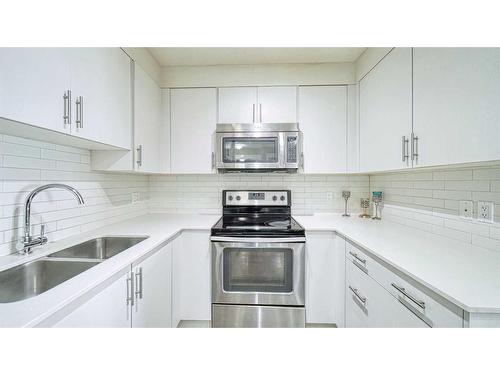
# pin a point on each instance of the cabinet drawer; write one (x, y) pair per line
(369, 305)
(431, 308)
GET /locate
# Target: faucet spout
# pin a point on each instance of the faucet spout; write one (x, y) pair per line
(28, 241)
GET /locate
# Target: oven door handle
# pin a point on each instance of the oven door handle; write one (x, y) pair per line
(257, 239)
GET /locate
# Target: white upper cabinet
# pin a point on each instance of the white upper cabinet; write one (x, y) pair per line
(385, 113)
(237, 105)
(101, 95)
(193, 116)
(277, 104)
(32, 85)
(263, 104)
(323, 122)
(84, 92)
(456, 105)
(147, 121)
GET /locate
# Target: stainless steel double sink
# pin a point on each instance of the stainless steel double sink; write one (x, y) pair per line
(33, 278)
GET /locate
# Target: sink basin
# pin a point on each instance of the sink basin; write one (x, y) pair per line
(98, 248)
(33, 278)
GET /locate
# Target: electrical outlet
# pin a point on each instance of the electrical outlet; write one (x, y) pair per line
(466, 209)
(329, 196)
(135, 197)
(485, 211)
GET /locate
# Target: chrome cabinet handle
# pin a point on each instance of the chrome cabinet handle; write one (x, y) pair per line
(402, 290)
(138, 283)
(358, 295)
(357, 257)
(302, 160)
(79, 112)
(130, 287)
(253, 112)
(67, 107)
(404, 149)
(139, 156)
(213, 160)
(260, 113)
(414, 147)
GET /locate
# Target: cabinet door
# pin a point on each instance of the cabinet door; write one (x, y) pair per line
(277, 104)
(237, 105)
(325, 278)
(193, 120)
(101, 76)
(153, 293)
(323, 122)
(369, 305)
(107, 309)
(32, 84)
(191, 282)
(456, 104)
(147, 121)
(385, 112)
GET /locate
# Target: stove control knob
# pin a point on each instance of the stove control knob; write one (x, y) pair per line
(230, 197)
(275, 197)
(238, 198)
(282, 198)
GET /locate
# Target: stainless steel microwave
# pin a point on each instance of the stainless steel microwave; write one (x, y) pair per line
(258, 147)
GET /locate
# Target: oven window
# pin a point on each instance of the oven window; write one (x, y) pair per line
(268, 270)
(250, 150)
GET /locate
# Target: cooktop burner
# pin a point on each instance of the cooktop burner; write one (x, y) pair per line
(257, 214)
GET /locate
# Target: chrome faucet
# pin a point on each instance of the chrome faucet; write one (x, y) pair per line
(28, 242)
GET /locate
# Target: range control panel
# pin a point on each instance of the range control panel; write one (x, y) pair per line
(256, 198)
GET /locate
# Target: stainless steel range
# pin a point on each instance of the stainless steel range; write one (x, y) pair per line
(257, 262)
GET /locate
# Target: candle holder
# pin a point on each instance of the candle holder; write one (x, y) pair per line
(365, 205)
(346, 194)
(376, 199)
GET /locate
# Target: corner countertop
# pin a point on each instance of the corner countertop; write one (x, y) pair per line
(466, 275)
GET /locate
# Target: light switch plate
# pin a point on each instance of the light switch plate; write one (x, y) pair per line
(485, 211)
(466, 210)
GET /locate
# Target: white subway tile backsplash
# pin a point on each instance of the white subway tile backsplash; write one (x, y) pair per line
(27, 164)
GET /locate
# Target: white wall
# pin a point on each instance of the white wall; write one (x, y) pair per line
(26, 164)
(368, 60)
(258, 75)
(146, 61)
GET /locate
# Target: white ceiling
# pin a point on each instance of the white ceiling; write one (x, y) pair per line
(256, 55)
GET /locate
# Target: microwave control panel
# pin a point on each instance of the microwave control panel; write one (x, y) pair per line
(291, 149)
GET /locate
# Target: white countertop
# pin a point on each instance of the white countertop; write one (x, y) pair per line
(464, 274)
(159, 227)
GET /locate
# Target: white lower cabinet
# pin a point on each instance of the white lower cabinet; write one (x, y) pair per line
(139, 298)
(109, 308)
(365, 273)
(370, 305)
(325, 278)
(191, 278)
(153, 290)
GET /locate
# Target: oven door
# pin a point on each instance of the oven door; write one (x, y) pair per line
(258, 272)
(249, 150)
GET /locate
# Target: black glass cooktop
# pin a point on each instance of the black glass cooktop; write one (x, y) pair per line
(257, 226)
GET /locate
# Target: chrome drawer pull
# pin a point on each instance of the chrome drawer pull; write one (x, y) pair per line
(356, 256)
(402, 290)
(359, 296)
